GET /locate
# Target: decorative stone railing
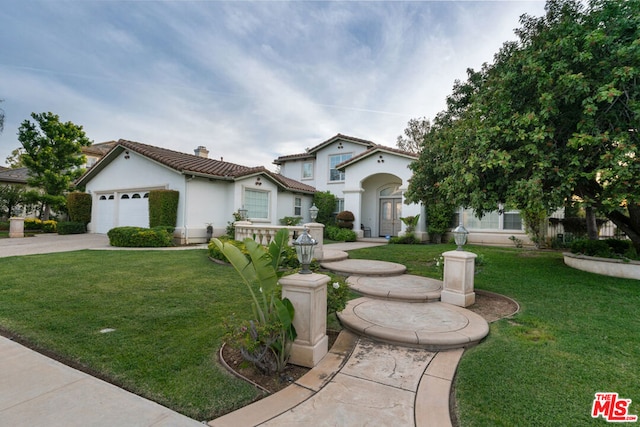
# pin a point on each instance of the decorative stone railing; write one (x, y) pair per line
(604, 266)
(265, 233)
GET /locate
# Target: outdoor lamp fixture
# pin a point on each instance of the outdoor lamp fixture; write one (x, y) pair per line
(243, 214)
(460, 236)
(313, 212)
(304, 248)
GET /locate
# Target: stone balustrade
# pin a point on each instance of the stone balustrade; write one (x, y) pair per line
(265, 233)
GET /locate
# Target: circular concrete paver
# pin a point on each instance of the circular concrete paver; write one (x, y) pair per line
(363, 267)
(406, 287)
(434, 326)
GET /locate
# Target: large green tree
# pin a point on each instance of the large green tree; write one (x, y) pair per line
(53, 155)
(556, 115)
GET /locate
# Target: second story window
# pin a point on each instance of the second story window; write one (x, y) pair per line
(334, 160)
(307, 170)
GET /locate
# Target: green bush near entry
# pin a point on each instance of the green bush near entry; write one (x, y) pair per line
(138, 237)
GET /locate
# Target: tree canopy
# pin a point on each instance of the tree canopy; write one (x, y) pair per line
(414, 134)
(53, 154)
(556, 115)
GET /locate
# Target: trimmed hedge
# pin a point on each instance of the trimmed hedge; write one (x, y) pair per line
(79, 207)
(72, 227)
(609, 248)
(138, 237)
(163, 208)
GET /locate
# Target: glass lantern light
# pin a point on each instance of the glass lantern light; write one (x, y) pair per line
(313, 212)
(460, 236)
(304, 245)
(243, 214)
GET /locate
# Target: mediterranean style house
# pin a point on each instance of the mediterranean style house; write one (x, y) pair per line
(367, 179)
(210, 190)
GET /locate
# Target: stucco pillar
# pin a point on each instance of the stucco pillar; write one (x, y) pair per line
(459, 270)
(353, 203)
(308, 294)
(16, 227)
(316, 231)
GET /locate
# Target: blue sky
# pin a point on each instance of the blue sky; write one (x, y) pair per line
(249, 80)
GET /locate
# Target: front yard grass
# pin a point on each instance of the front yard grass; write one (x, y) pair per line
(576, 333)
(167, 309)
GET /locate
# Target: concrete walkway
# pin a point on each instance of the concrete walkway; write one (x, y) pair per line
(360, 382)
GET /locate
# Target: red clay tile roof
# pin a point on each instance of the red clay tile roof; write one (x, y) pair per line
(310, 151)
(190, 164)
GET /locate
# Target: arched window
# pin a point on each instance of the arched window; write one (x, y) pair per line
(136, 196)
(146, 195)
(103, 197)
(124, 196)
(111, 197)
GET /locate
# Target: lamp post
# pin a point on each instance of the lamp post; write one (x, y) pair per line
(304, 248)
(460, 236)
(313, 212)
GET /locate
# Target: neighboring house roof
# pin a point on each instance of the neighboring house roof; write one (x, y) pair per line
(310, 153)
(99, 149)
(375, 150)
(189, 164)
(14, 176)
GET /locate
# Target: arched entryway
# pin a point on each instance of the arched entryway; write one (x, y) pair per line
(390, 210)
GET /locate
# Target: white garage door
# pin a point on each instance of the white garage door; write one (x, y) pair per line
(133, 209)
(122, 209)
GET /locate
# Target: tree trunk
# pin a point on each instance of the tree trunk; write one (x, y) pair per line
(629, 225)
(592, 226)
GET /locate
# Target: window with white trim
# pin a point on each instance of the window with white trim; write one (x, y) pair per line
(256, 203)
(335, 160)
(297, 206)
(339, 205)
(512, 221)
(307, 170)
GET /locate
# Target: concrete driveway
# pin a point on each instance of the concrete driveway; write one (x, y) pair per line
(48, 243)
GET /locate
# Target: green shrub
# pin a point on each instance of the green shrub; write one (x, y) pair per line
(326, 204)
(138, 237)
(163, 208)
(32, 224)
(340, 234)
(290, 220)
(71, 227)
(216, 253)
(407, 239)
(79, 207)
(49, 226)
(338, 294)
(619, 246)
(597, 248)
(4, 225)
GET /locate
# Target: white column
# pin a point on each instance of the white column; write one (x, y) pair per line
(308, 294)
(459, 270)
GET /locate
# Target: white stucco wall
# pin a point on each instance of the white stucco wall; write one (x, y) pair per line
(137, 173)
(207, 202)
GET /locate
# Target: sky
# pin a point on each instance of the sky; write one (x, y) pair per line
(250, 81)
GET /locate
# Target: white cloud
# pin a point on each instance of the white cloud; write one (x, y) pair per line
(251, 81)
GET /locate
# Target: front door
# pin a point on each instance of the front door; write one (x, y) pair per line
(390, 211)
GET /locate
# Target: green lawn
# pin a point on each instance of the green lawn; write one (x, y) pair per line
(576, 334)
(167, 309)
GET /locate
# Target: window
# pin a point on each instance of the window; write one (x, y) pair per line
(135, 196)
(512, 221)
(307, 170)
(335, 160)
(339, 205)
(297, 206)
(256, 203)
(124, 196)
